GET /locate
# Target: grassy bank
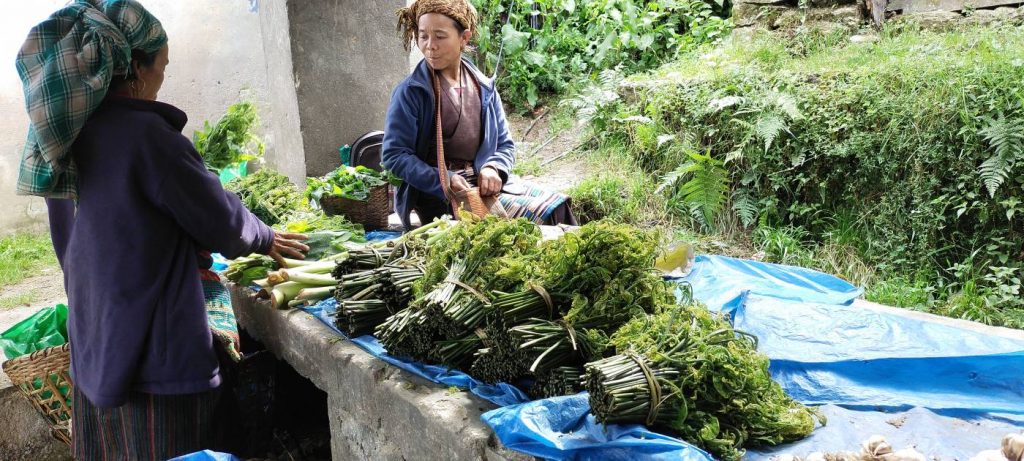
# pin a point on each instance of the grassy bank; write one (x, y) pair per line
(23, 255)
(897, 164)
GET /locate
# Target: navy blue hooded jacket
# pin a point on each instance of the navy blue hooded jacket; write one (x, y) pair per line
(409, 136)
(137, 317)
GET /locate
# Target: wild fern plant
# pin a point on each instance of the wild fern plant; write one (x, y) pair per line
(764, 119)
(745, 206)
(701, 186)
(1006, 136)
(589, 102)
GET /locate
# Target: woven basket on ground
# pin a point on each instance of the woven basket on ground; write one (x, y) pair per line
(43, 377)
(371, 213)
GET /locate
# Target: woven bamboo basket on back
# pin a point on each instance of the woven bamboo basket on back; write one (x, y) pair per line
(44, 378)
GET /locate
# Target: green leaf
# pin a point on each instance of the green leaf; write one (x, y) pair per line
(615, 14)
(745, 206)
(645, 41)
(513, 39)
(531, 95)
(534, 58)
(569, 6)
(604, 47)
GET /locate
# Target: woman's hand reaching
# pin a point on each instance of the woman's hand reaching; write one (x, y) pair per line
(490, 181)
(287, 244)
(458, 183)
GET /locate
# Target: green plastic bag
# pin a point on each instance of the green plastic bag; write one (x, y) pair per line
(345, 152)
(235, 171)
(46, 328)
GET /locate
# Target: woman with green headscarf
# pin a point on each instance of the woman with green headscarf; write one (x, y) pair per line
(445, 130)
(131, 207)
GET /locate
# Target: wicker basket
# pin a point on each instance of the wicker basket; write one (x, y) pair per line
(371, 213)
(44, 378)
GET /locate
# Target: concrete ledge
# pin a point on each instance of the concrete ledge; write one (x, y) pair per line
(376, 411)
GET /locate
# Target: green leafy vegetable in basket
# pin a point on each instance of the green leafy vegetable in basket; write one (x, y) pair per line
(268, 194)
(348, 182)
(231, 141)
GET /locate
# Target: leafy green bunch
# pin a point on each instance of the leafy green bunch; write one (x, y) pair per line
(268, 194)
(231, 141)
(715, 388)
(304, 221)
(609, 270)
(348, 182)
(485, 245)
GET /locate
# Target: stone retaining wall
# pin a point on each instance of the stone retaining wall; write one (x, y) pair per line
(376, 410)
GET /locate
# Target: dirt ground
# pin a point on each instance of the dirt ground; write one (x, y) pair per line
(541, 144)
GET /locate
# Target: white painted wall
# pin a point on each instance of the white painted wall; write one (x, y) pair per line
(217, 57)
(18, 212)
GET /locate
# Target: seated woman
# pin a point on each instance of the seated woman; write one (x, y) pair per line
(477, 147)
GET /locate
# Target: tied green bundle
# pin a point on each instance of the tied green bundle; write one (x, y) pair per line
(247, 269)
(565, 380)
(601, 274)
(582, 287)
(366, 299)
(450, 300)
(487, 246)
(609, 268)
(362, 259)
(534, 348)
(231, 141)
(351, 183)
(689, 371)
(267, 194)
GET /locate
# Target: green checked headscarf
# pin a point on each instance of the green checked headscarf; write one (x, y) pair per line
(66, 65)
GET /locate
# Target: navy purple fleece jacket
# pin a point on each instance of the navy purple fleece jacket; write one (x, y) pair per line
(147, 205)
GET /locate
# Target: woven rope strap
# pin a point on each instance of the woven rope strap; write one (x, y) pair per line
(547, 300)
(472, 290)
(377, 258)
(571, 331)
(442, 169)
(653, 387)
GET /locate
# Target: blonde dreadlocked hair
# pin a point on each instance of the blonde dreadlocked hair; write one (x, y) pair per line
(459, 10)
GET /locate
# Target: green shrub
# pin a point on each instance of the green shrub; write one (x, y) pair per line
(571, 39)
(909, 150)
(916, 293)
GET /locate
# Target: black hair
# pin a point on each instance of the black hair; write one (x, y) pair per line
(458, 25)
(143, 58)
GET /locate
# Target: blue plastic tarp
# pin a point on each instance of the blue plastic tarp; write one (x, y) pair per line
(722, 283)
(863, 358)
(936, 436)
(562, 428)
(206, 455)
